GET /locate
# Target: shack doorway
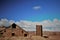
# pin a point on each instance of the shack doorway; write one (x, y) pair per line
(13, 34)
(25, 35)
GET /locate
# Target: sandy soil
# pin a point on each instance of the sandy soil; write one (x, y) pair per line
(48, 36)
(32, 38)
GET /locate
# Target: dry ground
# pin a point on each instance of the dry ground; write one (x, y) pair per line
(32, 38)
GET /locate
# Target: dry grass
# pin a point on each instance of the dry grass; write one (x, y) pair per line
(32, 38)
(28, 38)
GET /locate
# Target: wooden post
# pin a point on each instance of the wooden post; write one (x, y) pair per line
(39, 30)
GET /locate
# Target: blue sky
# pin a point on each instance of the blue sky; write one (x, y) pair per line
(31, 10)
(29, 13)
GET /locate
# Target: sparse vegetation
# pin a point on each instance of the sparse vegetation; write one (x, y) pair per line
(0, 35)
(8, 39)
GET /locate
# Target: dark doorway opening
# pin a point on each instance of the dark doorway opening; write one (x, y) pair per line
(13, 25)
(1, 33)
(25, 35)
(13, 34)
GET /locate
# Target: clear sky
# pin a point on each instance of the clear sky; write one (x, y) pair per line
(32, 10)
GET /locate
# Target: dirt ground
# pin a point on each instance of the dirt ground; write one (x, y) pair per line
(32, 38)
